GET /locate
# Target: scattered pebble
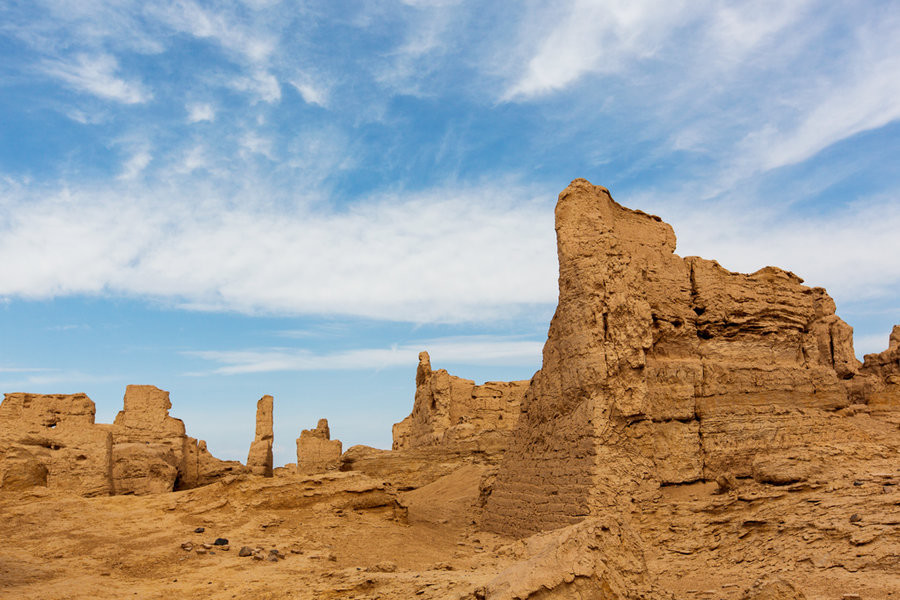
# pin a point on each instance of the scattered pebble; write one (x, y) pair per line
(855, 518)
(220, 542)
(200, 530)
(187, 546)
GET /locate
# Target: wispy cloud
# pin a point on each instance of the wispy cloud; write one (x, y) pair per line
(442, 255)
(96, 74)
(260, 83)
(596, 37)
(481, 350)
(868, 98)
(311, 92)
(42, 380)
(201, 112)
(135, 164)
(224, 26)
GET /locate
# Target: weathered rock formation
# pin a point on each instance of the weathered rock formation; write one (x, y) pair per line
(593, 559)
(316, 451)
(661, 370)
(882, 379)
(259, 460)
(449, 410)
(52, 440)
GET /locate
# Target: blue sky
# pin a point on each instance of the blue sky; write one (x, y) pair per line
(242, 198)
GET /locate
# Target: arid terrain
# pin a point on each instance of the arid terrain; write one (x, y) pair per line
(693, 433)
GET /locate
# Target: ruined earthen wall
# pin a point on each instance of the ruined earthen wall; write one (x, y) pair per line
(881, 371)
(51, 440)
(259, 459)
(659, 369)
(316, 451)
(449, 409)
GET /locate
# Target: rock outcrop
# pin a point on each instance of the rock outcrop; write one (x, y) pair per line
(53, 441)
(259, 460)
(450, 410)
(663, 370)
(316, 451)
(881, 389)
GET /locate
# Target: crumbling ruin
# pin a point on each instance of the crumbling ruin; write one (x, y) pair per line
(692, 433)
(316, 451)
(52, 440)
(664, 370)
(449, 410)
(259, 459)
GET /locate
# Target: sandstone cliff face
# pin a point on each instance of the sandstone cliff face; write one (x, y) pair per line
(449, 409)
(259, 460)
(52, 440)
(660, 369)
(316, 451)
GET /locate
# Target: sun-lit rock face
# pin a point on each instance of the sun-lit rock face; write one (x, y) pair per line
(51, 440)
(881, 388)
(450, 410)
(316, 451)
(259, 460)
(660, 369)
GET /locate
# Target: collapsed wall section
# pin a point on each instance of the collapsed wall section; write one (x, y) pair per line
(449, 409)
(316, 451)
(660, 369)
(52, 440)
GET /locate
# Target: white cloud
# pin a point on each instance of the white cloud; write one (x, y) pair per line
(852, 252)
(255, 143)
(480, 350)
(135, 165)
(45, 380)
(596, 37)
(870, 344)
(201, 112)
(96, 74)
(253, 44)
(866, 99)
(261, 84)
(311, 93)
(443, 255)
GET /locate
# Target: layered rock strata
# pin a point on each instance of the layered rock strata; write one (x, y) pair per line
(663, 370)
(449, 410)
(259, 460)
(316, 451)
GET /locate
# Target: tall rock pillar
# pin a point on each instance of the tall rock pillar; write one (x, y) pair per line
(259, 460)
